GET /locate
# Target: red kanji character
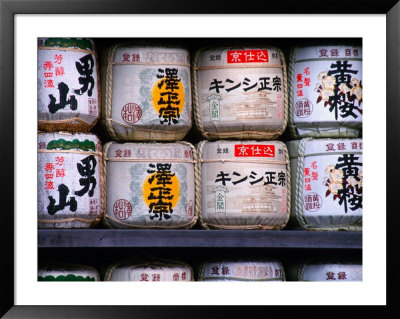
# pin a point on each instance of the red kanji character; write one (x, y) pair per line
(60, 71)
(299, 77)
(307, 180)
(330, 275)
(277, 272)
(307, 81)
(335, 52)
(49, 167)
(42, 145)
(214, 270)
(118, 153)
(323, 52)
(48, 83)
(347, 52)
(60, 160)
(184, 276)
(58, 58)
(126, 57)
(314, 165)
(342, 275)
(308, 187)
(341, 146)
(156, 277)
(49, 185)
(314, 176)
(307, 171)
(48, 65)
(48, 74)
(60, 172)
(143, 277)
(48, 176)
(175, 277)
(300, 86)
(299, 93)
(355, 52)
(354, 146)
(307, 71)
(225, 270)
(127, 153)
(330, 147)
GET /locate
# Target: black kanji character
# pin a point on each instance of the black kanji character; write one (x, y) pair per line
(85, 68)
(63, 90)
(63, 192)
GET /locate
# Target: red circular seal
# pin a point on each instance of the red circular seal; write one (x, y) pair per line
(303, 108)
(312, 202)
(131, 113)
(122, 209)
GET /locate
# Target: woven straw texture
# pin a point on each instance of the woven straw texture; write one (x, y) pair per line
(237, 133)
(297, 219)
(207, 225)
(78, 222)
(74, 123)
(128, 132)
(315, 131)
(111, 222)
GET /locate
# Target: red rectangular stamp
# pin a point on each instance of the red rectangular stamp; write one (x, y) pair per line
(247, 56)
(251, 150)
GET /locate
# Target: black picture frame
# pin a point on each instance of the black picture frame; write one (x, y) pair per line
(8, 10)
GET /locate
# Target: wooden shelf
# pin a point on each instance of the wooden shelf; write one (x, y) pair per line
(49, 238)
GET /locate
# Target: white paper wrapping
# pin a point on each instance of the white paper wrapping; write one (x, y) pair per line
(326, 90)
(332, 272)
(244, 184)
(240, 89)
(150, 185)
(67, 81)
(68, 273)
(151, 271)
(229, 270)
(327, 179)
(69, 180)
(150, 92)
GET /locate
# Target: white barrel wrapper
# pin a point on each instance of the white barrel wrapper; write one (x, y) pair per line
(150, 93)
(327, 182)
(150, 271)
(241, 271)
(326, 91)
(330, 271)
(68, 272)
(69, 180)
(240, 92)
(150, 185)
(244, 184)
(68, 84)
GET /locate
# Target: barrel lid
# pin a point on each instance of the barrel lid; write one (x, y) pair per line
(126, 53)
(63, 43)
(327, 52)
(324, 146)
(149, 151)
(86, 142)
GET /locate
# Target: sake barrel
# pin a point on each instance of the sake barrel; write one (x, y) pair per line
(240, 92)
(325, 96)
(68, 272)
(68, 84)
(336, 271)
(70, 180)
(244, 184)
(146, 93)
(327, 183)
(150, 185)
(241, 270)
(161, 270)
